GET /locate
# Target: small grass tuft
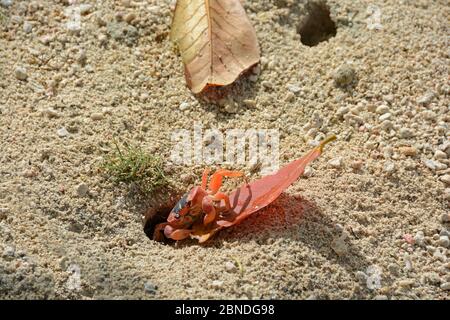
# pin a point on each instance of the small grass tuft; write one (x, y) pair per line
(133, 166)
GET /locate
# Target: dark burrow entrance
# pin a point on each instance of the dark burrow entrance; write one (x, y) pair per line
(155, 215)
(318, 25)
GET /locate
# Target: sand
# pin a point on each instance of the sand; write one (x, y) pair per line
(369, 222)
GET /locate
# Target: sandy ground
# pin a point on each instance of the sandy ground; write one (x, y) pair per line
(369, 222)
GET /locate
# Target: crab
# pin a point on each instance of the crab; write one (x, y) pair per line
(202, 211)
(198, 208)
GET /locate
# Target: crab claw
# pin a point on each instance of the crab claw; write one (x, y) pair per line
(176, 234)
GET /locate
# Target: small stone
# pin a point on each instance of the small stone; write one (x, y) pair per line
(250, 103)
(445, 286)
(408, 283)
(444, 241)
(217, 284)
(82, 189)
(74, 27)
(406, 133)
(382, 109)
(62, 132)
(361, 276)
(385, 116)
(344, 75)
(419, 238)
(9, 252)
(309, 172)
(357, 165)
(445, 218)
(293, 88)
(27, 27)
(335, 163)
(122, 31)
(6, 3)
(426, 98)
(82, 57)
(21, 73)
(387, 125)
(408, 151)
(97, 116)
(339, 246)
(230, 266)
(445, 179)
(29, 173)
(85, 8)
(389, 167)
(440, 155)
(51, 113)
(184, 106)
(430, 164)
(150, 287)
(381, 297)
(129, 17)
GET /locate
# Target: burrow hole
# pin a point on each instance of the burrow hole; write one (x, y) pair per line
(318, 25)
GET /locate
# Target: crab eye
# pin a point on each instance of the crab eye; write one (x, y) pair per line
(177, 215)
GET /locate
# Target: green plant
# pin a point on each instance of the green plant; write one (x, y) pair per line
(133, 166)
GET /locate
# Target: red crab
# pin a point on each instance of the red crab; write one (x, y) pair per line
(202, 212)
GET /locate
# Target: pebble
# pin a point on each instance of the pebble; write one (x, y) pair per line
(82, 189)
(339, 246)
(408, 283)
(150, 287)
(440, 155)
(445, 218)
(51, 113)
(184, 106)
(217, 284)
(361, 276)
(445, 179)
(385, 116)
(444, 241)
(74, 27)
(27, 27)
(381, 297)
(9, 251)
(293, 88)
(344, 75)
(309, 172)
(408, 151)
(97, 116)
(6, 3)
(85, 8)
(419, 238)
(130, 17)
(389, 167)
(357, 165)
(445, 286)
(406, 133)
(121, 31)
(387, 125)
(335, 163)
(62, 132)
(230, 266)
(382, 109)
(21, 73)
(426, 98)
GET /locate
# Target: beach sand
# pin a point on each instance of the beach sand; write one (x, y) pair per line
(370, 220)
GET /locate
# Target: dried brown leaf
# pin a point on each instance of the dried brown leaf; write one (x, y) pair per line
(216, 41)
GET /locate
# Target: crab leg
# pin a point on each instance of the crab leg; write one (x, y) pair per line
(176, 234)
(222, 196)
(209, 210)
(216, 179)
